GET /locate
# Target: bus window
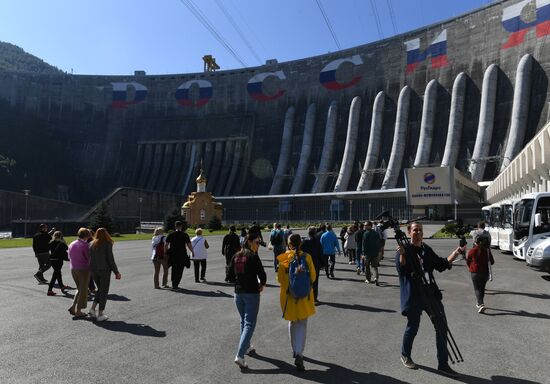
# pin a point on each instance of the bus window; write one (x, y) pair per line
(543, 207)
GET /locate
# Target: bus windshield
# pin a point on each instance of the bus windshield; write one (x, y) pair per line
(543, 207)
(506, 215)
(522, 220)
(487, 216)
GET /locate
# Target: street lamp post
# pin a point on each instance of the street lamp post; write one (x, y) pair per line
(140, 199)
(26, 192)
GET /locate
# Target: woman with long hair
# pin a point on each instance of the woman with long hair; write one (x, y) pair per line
(246, 269)
(58, 252)
(159, 258)
(479, 260)
(79, 257)
(102, 264)
(296, 309)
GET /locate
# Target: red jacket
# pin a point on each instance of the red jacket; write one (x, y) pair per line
(478, 259)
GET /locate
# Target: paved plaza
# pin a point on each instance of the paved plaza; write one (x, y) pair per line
(191, 336)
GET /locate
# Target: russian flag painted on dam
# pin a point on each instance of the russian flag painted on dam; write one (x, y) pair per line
(255, 86)
(437, 51)
(327, 77)
(513, 22)
(205, 93)
(120, 94)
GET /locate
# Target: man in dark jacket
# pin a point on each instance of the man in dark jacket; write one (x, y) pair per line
(312, 245)
(256, 231)
(371, 247)
(230, 245)
(412, 303)
(40, 246)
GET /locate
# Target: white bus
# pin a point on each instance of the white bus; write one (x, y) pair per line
(506, 232)
(531, 222)
(495, 227)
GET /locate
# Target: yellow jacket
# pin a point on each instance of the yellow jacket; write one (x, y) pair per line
(305, 307)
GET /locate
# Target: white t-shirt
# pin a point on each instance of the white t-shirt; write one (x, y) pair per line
(199, 248)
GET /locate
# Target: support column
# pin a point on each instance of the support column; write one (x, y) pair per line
(351, 145)
(424, 148)
(456, 118)
(486, 123)
(328, 150)
(305, 153)
(399, 138)
(375, 141)
(284, 154)
(520, 110)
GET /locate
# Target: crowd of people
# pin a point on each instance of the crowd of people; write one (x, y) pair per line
(297, 263)
(91, 262)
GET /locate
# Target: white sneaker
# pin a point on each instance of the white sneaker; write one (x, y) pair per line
(240, 362)
(92, 313)
(250, 350)
(102, 318)
(481, 308)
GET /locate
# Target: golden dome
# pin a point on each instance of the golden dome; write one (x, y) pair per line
(201, 179)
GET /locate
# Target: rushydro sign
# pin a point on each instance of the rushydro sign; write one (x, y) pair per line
(430, 186)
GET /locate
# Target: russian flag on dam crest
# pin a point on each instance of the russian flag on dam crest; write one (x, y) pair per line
(513, 22)
(255, 86)
(327, 77)
(437, 52)
(205, 93)
(120, 94)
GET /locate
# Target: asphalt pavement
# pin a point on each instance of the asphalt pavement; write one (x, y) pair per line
(191, 336)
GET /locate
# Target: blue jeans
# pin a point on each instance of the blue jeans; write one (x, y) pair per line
(413, 322)
(359, 259)
(248, 305)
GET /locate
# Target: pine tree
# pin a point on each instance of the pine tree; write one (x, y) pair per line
(215, 223)
(171, 218)
(102, 218)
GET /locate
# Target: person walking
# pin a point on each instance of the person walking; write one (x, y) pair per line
(359, 241)
(479, 259)
(247, 271)
(79, 258)
(383, 233)
(350, 246)
(102, 263)
(256, 230)
(40, 246)
(158, 258)
(343, 232)
(312, 246)
(242, 237)
(58, 253)
(330, 245)
(411, 298)
(231, 244)
(176, 243)
(371, 249)
(296, 310)
(277, 240)
(200, 254)
(286, 233)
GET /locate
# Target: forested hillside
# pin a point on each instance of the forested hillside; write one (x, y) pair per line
(13, 58)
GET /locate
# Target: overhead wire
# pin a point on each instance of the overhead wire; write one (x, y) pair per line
(392, 17)
(236, 27)
(201, 17)
(376, 18)
(329, 25)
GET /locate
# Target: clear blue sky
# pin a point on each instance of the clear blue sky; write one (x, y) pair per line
(163, 36)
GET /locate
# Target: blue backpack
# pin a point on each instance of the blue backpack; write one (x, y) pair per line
(299, 283)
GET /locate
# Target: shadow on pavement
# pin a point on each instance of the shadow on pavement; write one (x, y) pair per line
(356, 307)
(508, 312)
(217, 293)
(115, 297)
(534, 295)
(134, 329)
(478, 380)
(332, 374)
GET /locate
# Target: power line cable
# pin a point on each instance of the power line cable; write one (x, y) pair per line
(376, 18)
(247, 25)
(236, 27)
(329, 25)
(392, 17)
(201, 17)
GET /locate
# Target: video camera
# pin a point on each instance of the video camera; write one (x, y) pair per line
(460, 231)
(391, 222)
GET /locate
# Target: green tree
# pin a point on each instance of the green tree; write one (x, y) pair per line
(102, 218)
(171, 218)
(215, 223)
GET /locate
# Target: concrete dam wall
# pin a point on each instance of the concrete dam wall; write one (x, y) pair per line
(467, 92)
